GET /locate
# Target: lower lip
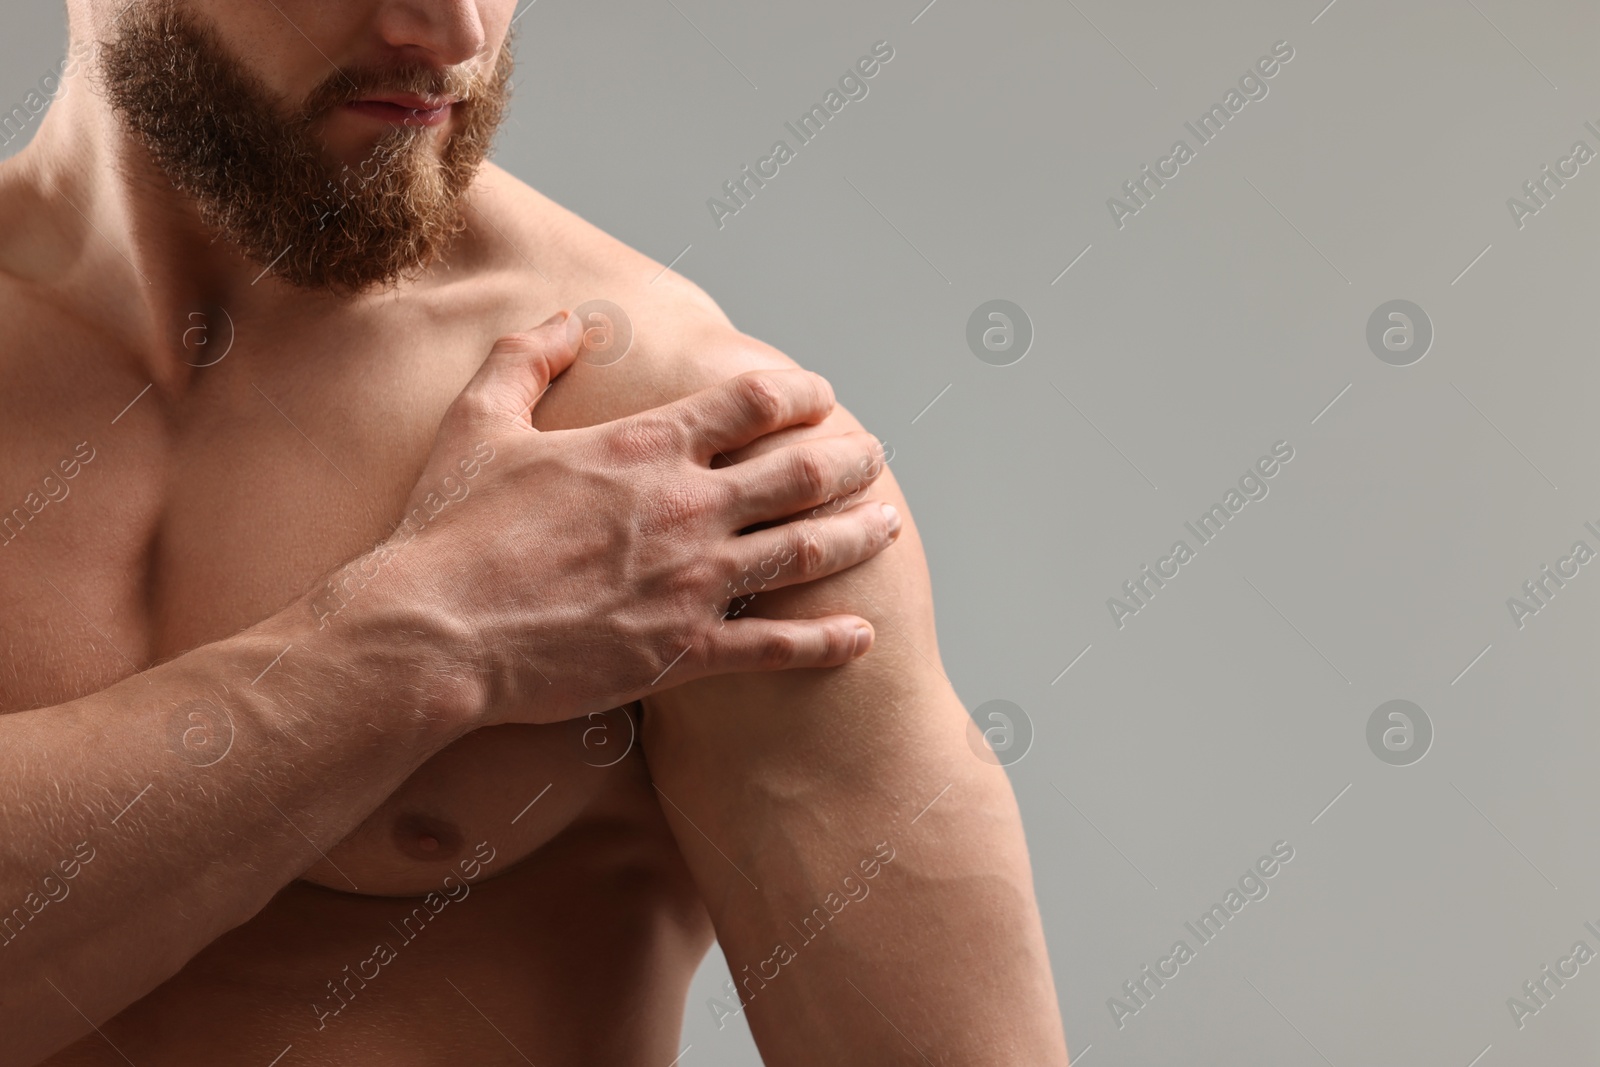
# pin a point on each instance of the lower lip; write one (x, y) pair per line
(398, 115)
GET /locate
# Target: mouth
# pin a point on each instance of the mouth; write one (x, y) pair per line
(404, 109)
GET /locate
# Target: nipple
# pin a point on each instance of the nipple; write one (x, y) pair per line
(424, 837)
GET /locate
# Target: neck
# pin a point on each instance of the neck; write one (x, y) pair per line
(95, 219)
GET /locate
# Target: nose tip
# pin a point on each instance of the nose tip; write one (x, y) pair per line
(449, 32)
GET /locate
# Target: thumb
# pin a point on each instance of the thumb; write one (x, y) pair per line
(518, 370)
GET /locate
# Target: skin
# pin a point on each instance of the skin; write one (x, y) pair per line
(404, 741)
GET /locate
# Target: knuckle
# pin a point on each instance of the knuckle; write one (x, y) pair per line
(509, 344)
(758, 394)
(809, 555)
(810, 472)
(778, 649)
(637, 440)
(474, 404)
(516, 346)
(538, 364)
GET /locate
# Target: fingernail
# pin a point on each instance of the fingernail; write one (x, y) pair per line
(863, 639)
(893, 515)
(554, 320)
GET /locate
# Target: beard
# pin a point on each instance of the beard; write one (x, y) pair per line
(262, 180)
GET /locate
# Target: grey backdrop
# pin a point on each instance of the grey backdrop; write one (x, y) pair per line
(1224, 316)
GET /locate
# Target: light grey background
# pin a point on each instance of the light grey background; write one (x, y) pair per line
(1224, 317)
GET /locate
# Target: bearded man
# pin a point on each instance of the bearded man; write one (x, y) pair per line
(366, 703)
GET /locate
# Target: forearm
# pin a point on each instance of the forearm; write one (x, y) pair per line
(142, 822)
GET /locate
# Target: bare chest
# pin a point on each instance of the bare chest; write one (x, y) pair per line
(139, 522)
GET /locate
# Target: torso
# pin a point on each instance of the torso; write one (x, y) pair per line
(204, 510)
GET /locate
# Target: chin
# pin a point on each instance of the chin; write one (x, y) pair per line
(353, 141)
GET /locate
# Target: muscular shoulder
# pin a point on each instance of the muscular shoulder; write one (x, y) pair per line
(678, 340)
(682, 343)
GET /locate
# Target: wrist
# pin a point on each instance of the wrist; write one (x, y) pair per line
(381, 610)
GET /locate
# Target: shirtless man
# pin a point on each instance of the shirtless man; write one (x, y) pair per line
(270, 794)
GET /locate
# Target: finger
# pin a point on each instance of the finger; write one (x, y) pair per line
(800, 476)
(786, 644)
(807, 549)
(729, 416)
(517, 371)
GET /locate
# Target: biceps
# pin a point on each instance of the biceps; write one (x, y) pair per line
(770, 771)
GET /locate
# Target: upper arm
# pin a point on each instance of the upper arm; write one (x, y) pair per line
(786, 789)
